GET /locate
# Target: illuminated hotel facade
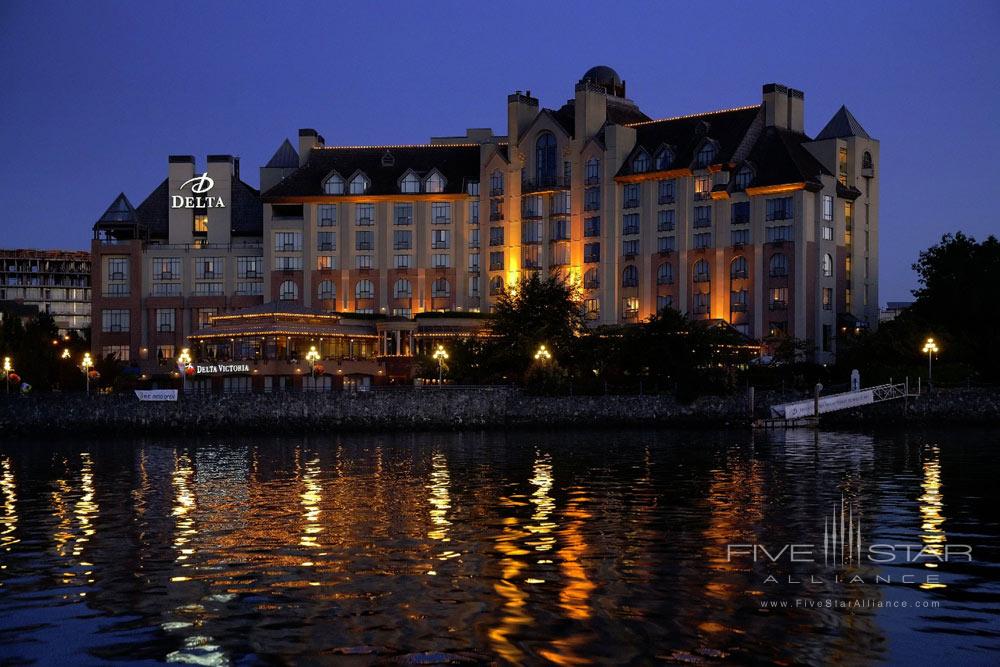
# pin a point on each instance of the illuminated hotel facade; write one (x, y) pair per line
(733, 215)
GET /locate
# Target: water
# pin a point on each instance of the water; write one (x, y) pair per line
(535, 548)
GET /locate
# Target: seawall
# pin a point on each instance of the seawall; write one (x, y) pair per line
(428, 408)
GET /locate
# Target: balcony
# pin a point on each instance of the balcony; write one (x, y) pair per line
(117, 275)
(404, 220)
(496, 216)
(738, 275)
(778, 273)
(741, 220)
(738, 308)
(778, 305)
(665, 199)
(326, 246)
(402, 246)
(166, 328)
(365, 222)
(701, 310)
(592, 180)
(363, 246)
(591, 284)
(631, 203)
(631, 230)
(701, 223)
(544, 183)
(442, 220)
(440, 245)
(702, 278)
(703, 195)
(665, 252)
(166, 275)
(496, 192)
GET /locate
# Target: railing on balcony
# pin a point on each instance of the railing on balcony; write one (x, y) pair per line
(544, 183)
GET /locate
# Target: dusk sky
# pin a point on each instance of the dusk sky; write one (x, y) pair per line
(96, 95)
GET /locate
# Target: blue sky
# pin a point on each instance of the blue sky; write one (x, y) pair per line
(96, 95)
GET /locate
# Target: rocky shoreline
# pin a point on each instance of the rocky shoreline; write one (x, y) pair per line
(433, 409)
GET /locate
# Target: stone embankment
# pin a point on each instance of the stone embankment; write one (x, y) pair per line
(450, 408)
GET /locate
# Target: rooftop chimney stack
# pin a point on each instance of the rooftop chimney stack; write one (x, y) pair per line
(796, 110)
(521, 111)
(308, 139)
(775, 105)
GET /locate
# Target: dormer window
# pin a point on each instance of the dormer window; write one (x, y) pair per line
(434, 183)
(334, 185)
(641, 162)
(664, 158)
(359, 184)
(706, 154)
(410, 183)
(743, 178)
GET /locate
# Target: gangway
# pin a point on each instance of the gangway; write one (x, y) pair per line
(807, 412)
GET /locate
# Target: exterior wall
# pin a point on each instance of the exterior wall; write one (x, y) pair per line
(56, 281)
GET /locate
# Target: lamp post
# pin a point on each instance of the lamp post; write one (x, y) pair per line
(543, 354)
(312, 356)
(183, 361)
(440, 354)
(930, 348)
(65, 353)
(86, 365)
(7, 369)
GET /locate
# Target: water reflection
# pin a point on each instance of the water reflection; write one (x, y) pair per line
(568, 548)
(931, 512)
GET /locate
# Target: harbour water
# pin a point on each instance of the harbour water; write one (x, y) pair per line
(591, 547)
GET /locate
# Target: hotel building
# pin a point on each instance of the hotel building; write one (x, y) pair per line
(56, 282)
(735, 215)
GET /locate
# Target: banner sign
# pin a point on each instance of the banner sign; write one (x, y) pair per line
(156, 394)
(221, 369)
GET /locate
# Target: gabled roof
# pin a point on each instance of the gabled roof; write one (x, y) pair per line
(779, 157)
(120, 211)
(284, 158)
(685, 134)
(458, 163)
(843, 124)
(154, 211)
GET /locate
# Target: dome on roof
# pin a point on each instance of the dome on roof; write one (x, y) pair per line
(603, 75)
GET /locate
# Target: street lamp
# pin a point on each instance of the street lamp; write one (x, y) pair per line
(930, 348)
(86, 365)
(312, 356)
(543, 354)
(183, 361)
(65, 354)
(7, 369)
(440, 354)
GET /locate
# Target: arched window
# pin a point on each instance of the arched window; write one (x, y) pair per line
(402, 289)
(288, 291)
(706, 154)
(359, 184)
(738, 268)
(591, 279)
(665, 274)
(496, 285)
(364, 290)
(593, 171)
(410, 183)
(778, 265)
(334, 185)
(866, 161)
(630, 276)
(441, 287)
(434, 183)
(827, 265)
(664, 158)
(641, 161)
(545, 159)
(743, 178)
(702, 271)
(496, 183)
(326, 289)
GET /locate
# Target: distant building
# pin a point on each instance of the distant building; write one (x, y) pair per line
(56, 282)
(892, 310)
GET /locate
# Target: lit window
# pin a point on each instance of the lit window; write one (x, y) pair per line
(410, 183)
(434, 183)
(334, 185)
(288, 291)
(359, 184)
(641, 162)
(827, 265)
(200, 224)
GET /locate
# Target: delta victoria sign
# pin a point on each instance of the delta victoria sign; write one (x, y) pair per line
(221, 369)
(199, 186)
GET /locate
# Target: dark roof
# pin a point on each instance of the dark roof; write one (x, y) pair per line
(285, 157)
(120, 211)
(566, 117)
(685, 134)
(458, 163)
(624, 114)
(843, 124)
(245, 210)
(779, 157)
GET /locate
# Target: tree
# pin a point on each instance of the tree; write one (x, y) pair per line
(536, 311)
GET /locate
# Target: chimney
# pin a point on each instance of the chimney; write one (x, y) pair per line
(775, 105)
(308, 139)
(796, 110)
(521, 110)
